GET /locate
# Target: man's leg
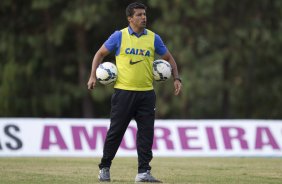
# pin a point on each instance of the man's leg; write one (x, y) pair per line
(145, 117)
(121, 114)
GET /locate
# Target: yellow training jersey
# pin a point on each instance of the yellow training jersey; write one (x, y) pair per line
(135, 60)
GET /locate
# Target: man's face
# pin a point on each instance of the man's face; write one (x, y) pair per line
(139, 18)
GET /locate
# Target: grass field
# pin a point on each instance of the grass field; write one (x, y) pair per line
(169, 170)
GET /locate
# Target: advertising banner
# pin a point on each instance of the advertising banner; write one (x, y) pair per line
(40, 137)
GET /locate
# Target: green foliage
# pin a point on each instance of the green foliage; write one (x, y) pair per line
(228, 54)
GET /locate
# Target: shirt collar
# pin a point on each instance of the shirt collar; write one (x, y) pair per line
(130, 30)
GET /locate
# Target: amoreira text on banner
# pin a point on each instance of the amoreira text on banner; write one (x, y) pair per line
(42, 137)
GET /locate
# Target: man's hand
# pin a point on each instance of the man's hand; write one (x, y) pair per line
(177, 83)
(91, 83)
(177, 87)
(98, 58)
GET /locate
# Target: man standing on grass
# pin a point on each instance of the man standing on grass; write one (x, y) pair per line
(134, 96)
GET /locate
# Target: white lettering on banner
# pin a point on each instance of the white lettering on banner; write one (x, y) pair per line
(85, 137)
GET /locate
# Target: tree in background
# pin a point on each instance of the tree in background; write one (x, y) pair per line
(46, 55)
(228, 55)
(229, 58)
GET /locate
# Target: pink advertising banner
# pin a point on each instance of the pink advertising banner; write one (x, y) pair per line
(40, 137)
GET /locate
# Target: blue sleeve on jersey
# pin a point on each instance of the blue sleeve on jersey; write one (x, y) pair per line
(113, 42)
(160, 48)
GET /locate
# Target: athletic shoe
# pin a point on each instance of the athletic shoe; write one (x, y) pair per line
(146, 177)
(104, 174)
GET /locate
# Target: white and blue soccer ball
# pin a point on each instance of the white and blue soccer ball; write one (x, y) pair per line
(106, 73)
(161, 70)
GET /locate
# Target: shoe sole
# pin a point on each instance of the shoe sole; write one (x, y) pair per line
(146, 181)
(104, 180)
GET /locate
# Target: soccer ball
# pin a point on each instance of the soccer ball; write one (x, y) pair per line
(106, 73)
(161, 70)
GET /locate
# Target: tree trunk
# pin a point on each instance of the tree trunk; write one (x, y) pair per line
(225, 91)
(87, 107)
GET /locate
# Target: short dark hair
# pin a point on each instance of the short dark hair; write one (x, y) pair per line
(130, 8)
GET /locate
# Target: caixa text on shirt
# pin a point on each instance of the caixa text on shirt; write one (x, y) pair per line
(135, 51)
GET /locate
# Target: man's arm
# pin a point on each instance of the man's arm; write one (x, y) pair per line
(98, 58)
(177, 81)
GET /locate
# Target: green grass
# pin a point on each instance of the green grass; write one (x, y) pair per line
(169, 170)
